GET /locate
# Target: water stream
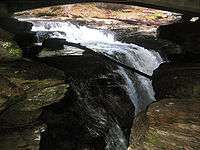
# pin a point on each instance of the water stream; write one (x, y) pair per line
(138, 87)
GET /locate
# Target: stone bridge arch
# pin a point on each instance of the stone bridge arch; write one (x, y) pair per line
(182, 6)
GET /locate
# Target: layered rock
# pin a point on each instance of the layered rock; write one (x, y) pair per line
(27, 87)
(173, 122)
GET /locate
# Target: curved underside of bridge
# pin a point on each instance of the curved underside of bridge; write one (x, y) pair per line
(182, 6)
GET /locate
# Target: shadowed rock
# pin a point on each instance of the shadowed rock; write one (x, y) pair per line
(186, 34)
(26, 88)
(96, 112)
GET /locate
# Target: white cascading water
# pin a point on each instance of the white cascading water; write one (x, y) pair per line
(138, 88)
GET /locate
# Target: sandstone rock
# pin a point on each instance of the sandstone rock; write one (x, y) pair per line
(25, 39)
(186, 58)
(174, 121)
(27, 87)
(9, 93)
(148, 40)
(174, 124)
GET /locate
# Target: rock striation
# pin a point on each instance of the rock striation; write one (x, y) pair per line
(174, 121)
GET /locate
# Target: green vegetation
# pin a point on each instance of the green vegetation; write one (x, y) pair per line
(12, 48)
(9, 51)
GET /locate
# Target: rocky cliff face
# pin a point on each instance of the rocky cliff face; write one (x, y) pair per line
(26, 87)
(173, 121)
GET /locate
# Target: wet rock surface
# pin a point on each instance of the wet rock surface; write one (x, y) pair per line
(148, 39)
(53, 43)
(96, 113)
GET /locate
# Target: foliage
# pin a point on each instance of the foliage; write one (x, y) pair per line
(12, 49)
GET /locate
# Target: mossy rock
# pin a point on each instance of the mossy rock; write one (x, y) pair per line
(9, 50)
(26, 87)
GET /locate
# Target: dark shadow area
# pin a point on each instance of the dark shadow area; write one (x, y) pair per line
(95, 106)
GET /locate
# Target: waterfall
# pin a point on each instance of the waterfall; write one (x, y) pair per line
(138, 88)
(72, 32)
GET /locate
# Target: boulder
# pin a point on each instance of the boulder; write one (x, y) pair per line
(168, 124)
(25, 39)
(9, 93)
(54, 43)
(26, 88)
(148, 40)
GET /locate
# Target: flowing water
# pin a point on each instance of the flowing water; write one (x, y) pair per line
(137, 87)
